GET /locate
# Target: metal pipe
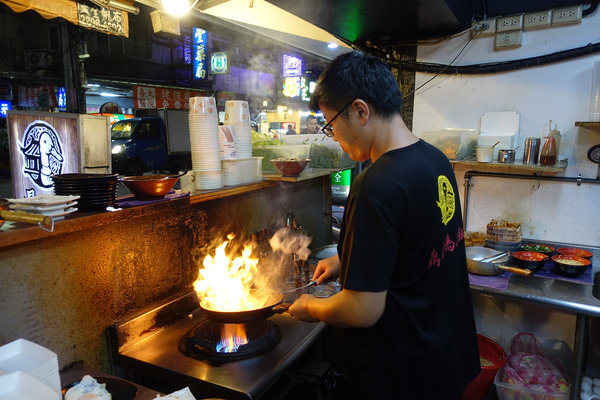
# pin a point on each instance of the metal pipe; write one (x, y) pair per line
(470, 174)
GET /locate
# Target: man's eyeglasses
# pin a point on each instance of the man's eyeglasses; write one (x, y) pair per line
(327, 130)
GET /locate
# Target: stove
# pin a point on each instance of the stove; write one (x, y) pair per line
(172, 346)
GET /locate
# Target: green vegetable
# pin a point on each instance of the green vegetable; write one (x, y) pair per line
(536, 247)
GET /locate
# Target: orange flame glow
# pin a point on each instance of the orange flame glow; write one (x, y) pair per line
(224, 284)
(232, 337)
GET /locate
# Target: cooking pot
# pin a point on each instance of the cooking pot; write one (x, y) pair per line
(506, 156)
(20, 216)
(476, 265)
(273, 305)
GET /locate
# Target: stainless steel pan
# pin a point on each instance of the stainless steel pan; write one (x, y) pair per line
(476, 264)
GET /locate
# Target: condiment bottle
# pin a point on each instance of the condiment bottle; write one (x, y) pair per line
(548, 156)
(555, 133)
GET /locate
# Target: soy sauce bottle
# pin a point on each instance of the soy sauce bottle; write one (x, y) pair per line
(548, 156)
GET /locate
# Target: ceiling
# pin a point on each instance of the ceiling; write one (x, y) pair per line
(390, 22)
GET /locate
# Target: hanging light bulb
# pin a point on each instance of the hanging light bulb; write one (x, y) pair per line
(177, 7)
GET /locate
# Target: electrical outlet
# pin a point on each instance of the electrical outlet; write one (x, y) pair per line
(508, 40)
(537, 20)
(567, 15)
(509, 23)
(483, 28)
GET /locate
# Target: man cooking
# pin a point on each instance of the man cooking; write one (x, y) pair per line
(405, 303)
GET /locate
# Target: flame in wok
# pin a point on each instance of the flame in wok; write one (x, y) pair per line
(225, 284)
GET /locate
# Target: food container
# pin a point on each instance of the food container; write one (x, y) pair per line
(572, 251)
(485, 153)
(240, 172)
(539, 248)
(507, 391)
(506, 156)
(530, 260)
(149, 185)
(571, 266)
(456, 144)
(290, 166)
(324, 151)
(271, 152)
(492, 357)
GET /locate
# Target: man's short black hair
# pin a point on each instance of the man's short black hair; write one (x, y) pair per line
(310, 116)
(356, 75)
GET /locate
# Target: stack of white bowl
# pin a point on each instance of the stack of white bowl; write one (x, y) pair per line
(204, 139)
(237, 115)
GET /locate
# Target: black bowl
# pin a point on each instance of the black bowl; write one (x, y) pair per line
(571, 266)
(538, 248)
(530, 260)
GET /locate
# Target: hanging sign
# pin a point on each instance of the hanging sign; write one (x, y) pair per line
(104, 20)
(218, 63)
(291, 65)
(199, 62)
(41, 145)
(291, 86)
(158, 97)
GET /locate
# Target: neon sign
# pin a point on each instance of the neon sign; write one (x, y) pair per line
(199, 47)
(4, 107)
(291, 86)
(291, 65)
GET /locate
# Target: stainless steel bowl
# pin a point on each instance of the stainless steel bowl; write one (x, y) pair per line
(506, 156)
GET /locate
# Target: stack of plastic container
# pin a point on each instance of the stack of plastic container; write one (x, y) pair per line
(204, 139)
(237, 115)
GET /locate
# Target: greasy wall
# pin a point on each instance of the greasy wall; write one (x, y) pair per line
(63, 290)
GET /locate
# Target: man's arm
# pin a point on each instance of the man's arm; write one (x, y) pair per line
(346, 309)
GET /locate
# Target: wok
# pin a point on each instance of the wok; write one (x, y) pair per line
(475, 266)
(273, 305)
(20, 216)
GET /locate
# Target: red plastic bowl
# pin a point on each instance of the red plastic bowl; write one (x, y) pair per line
(290, 166)
(530, 260)
(495, 354)
(149, 185)
(572, 251)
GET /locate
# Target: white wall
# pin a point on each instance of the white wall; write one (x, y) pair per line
(561, 212)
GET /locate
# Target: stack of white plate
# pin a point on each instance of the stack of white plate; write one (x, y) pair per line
(32, 361)
(204, 140)
(237, 115)
(54, 206)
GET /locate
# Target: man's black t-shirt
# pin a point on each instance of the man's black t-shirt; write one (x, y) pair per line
(403, 233)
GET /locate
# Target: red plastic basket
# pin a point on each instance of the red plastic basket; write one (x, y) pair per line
(480, 386)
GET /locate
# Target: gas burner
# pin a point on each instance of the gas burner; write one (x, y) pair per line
(202, 341)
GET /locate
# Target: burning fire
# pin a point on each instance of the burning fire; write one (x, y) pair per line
(226, 285)
(232, 337)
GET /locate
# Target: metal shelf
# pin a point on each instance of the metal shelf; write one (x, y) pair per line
(591, 125)
(518, 165)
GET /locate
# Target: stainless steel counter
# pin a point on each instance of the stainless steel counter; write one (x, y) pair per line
(576, 298)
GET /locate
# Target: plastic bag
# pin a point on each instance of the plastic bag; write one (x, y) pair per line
(528, 366)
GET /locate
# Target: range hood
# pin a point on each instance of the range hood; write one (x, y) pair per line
(384, 23)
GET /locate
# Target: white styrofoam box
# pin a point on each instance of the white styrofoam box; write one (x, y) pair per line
(500, 123)
(33, 359)
(21, 386)
(242, 171)
(456, 144)
(500, 127)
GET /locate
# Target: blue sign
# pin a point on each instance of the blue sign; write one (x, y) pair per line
(62, 98)
(199, 63)
(291, 65)
(4, 107)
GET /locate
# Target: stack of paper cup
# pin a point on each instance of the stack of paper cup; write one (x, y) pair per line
(227, 142)
(204, 140)
(237, 115)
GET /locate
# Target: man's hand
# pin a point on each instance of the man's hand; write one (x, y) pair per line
(327, 269)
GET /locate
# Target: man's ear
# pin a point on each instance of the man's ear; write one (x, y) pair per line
(362, 110)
